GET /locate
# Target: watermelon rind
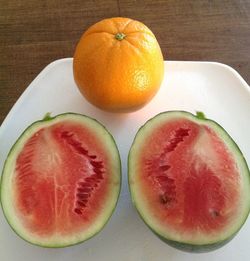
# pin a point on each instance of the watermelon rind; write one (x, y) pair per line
(204, 243)
(6, 192)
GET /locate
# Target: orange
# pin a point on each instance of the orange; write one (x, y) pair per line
(118, 65)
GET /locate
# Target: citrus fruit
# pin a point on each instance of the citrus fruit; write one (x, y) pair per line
(118, 64)
(189, 181)
(61, 181)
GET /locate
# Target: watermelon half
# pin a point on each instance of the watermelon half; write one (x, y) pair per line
(189, 181)
(61, 181)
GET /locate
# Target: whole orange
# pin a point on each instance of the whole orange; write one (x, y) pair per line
(118, 65)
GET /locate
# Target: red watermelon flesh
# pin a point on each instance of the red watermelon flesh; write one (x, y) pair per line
(61, 179)
(182, 164)
(65, 181)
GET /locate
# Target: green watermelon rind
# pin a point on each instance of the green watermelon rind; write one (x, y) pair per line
(48, 118)
(200, 118)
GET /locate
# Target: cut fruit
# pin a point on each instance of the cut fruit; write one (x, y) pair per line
(61, 181)
(189, 181)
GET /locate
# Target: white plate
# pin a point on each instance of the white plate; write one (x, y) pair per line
(213, 88)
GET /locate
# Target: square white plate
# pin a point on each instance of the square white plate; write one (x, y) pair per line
(216, 89)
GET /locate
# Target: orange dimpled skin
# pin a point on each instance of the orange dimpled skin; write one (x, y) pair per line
(118, 65)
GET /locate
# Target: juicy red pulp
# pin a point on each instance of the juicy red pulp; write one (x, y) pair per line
(189, 177)
(62, 178)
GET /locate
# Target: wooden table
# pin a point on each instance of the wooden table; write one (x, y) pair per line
(34, 33)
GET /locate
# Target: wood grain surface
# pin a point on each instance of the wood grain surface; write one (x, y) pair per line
(34, 33)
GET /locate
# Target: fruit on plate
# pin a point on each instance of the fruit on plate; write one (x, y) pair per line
(61, 180)
(118, 65)
(189, 181)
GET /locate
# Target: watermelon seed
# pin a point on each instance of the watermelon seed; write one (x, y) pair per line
(96, 164)
(85, 201)
(82, 195)
(78, 211)
(89, 179)
(98, 171)
(166, 199)
(84, 190)
(82, 184)
(164, 167)
(66, 134)
(214, 213)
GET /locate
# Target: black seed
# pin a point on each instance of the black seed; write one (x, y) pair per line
(215, 213)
